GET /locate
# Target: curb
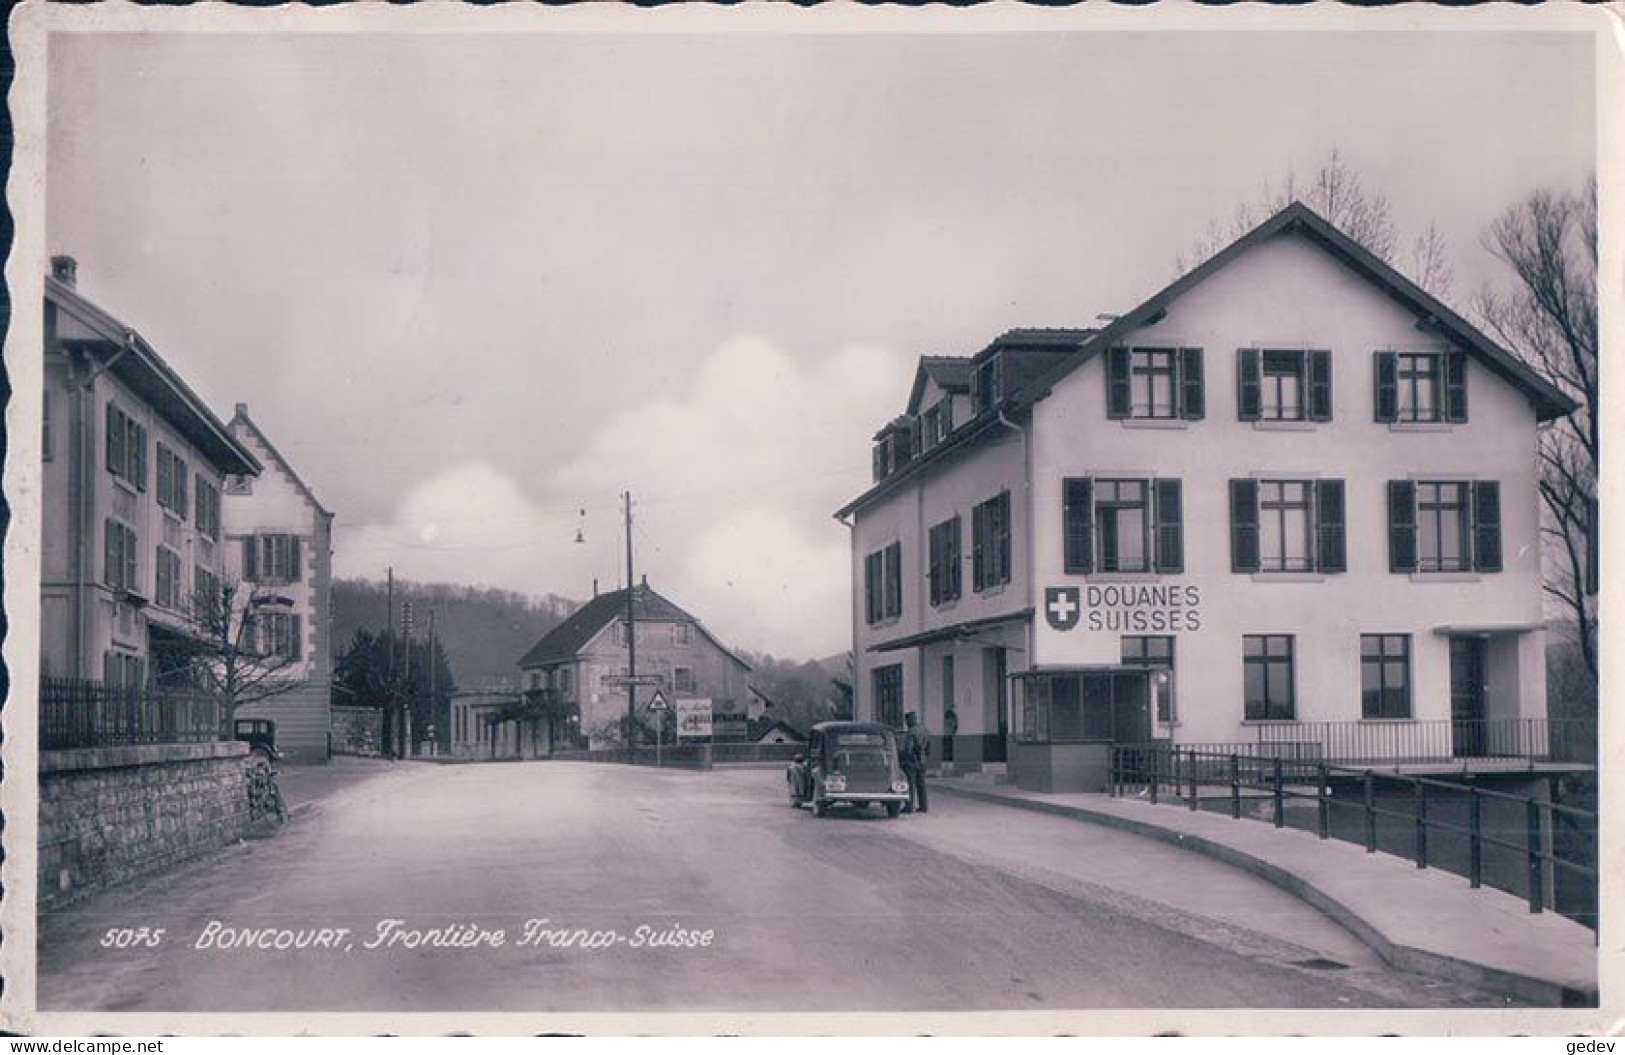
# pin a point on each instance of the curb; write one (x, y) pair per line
(1538, 991)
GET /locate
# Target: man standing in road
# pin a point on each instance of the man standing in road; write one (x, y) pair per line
(912, 752)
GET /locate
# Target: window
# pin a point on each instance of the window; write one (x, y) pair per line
(126, 448)
(1267, 677)
(206, 598)
(1385, 676)
(120, 567)
(535, 679)
(279, 634)
(122, 670)
(171, 481)
(1287, 526)
(936, 423)
(1153, 383)
(989, 384)
(168, 586)
(990, 542)
(1122, 525)
(271, 558)
(1156, 652)
(682, 679)
(1283, 385)
(944, 573)
(1444, 526)
(565, 681)
(680, 634)
(887, 683)
(1421, 387)
(207, 513)
(883, 584)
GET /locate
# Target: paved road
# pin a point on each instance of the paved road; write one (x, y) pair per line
(971, 907)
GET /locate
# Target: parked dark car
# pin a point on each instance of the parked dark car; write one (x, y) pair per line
(260, 735)
(849, 764)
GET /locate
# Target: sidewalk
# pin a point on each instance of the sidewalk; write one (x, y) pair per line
(303, 785)
(1421, 920)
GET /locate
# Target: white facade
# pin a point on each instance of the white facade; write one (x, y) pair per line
(1289, 287)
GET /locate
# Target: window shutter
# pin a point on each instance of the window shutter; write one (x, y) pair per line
(1331, 547)
(180, 487)
(1004, 554)
(295, 636)
(1387, 387)
(112, 558)
(140, 441)
(295, 571)
(1247, 384)
(955, 559)
(1117, 386)
(1455, 387)
(1244, 525)
(132, 570)
(166, 473)
(114, 440)
(1192, 401)
(251, 564)
(935, 545)
(1320, 385)
(1078, 547)
(978, 547)
(1170, 533)
(1401, 526)
(1487, 525)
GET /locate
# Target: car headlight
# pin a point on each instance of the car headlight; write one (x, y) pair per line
(900, 787)
(835, 782)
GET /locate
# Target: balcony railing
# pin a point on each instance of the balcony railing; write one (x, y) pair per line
(75, 713)
(1444, 740)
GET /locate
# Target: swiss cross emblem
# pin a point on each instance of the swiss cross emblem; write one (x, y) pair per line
(1062, 607)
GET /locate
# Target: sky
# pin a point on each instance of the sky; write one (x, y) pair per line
(475, 287)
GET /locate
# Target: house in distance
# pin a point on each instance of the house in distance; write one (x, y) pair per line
(569, 665)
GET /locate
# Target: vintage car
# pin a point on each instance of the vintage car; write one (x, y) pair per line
(260, 736)
(851, 764)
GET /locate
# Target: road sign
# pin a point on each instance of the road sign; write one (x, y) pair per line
(659, 702)
(693, 719)
(613, 680)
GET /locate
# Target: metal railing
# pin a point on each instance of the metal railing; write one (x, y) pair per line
(75, 713)
(1404, 740)
(1362, 806)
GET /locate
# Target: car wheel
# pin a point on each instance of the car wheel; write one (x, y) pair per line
(893, 808)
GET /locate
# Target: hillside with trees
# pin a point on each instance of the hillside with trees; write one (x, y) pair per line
(483, 631)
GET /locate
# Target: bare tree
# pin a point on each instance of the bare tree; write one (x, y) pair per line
(1549, 318)
(1338, 193)
(246, 652)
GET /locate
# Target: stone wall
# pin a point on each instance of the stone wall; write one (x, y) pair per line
(111, 814)
(358, 731)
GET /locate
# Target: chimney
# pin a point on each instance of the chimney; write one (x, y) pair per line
(645, 582)
(595, 586)
(65, 269)
(242, 410)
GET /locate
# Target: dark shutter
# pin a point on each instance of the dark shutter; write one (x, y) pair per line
(295, 636)
(1455, 386)
(978, 547)
(1244, 525)
(1401, 526)
(1387, 387)
(114, 440)
(112, 559)
(141, 457)
(933, 571)
(1004, 537)
(1078, 526)
(1170, 534)
(1486, 525)
(132, 571)
(1192, 404)
(1331, 548)
(166, 476)
(1320, 385)
(1247, 384)
(1117, 386)
(180, 482)
(251, 564)
(295, 571)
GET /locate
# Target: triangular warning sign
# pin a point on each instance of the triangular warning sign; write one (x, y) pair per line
(658, 702)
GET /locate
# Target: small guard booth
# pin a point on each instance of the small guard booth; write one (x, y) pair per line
(1068, 720)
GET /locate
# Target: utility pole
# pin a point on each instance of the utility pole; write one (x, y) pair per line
(435, 727)
(631, 639)
(394, 689)
(406, 679)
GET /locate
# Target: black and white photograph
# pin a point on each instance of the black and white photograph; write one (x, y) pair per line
(834, 519)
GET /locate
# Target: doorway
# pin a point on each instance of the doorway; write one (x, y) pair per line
(1467, 677)
(996, 697)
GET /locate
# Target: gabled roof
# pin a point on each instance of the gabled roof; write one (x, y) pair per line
(951, 373)
(126, 354)
(1021, 392)
(241, 418)
(565, 641)
(1549, 401)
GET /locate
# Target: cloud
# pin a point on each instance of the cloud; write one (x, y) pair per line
(734, 477)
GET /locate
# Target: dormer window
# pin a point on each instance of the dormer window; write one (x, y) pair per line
(989, 384)
(893, 450)
(936, 423)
